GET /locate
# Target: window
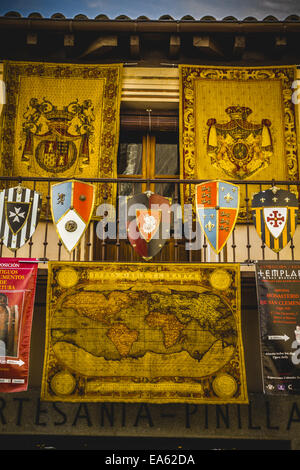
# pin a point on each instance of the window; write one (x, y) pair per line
(148, 155)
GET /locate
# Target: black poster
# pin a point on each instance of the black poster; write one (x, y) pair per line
(278, 294)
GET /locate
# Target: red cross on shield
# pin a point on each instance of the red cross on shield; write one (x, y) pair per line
(275, 219)
(275, 214)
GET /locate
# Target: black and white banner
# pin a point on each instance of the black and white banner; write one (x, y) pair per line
(19, 215)
(278, 294)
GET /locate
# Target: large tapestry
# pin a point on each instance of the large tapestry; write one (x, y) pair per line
(62, 120)
(134, 332)
(237, 124)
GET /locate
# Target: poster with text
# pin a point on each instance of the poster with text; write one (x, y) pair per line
(17, 294)
(278, 293)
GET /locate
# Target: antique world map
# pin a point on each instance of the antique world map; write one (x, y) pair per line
(137, 332)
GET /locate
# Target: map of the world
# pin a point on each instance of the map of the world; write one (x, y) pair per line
(172, 335)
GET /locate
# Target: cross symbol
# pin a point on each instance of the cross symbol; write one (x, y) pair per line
(16, 214)
(276, 219)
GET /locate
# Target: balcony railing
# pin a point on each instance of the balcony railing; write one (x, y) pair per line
(243, 246)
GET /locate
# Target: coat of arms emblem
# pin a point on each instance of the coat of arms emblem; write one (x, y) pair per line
(57, 138)
(217, 207)
(238, 147)
(275, 213)
(19, 215)
(71, 206)
(148, 221)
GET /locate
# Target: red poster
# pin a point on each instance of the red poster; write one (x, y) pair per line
(17, 293)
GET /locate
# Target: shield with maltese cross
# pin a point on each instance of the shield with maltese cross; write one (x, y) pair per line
(148, 223)
(275, 213)
(72, 205)
(217, 206)
(20, 209)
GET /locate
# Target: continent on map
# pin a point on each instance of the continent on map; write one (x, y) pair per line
(170, 326)
(122, 337)
(99, 307)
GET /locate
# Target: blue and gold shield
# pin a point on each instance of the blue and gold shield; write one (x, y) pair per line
(217, 207)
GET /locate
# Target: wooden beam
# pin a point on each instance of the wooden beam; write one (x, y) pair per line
(280, 42)
(239, 45)
(69, 40)
(102, 46)
(31, 39)
(134, 45)
(174, 46)
(207, 45)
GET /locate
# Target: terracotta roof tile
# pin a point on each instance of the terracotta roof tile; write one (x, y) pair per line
(166, 17)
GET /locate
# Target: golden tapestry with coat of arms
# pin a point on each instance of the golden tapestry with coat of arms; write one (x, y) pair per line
(134, 332)
(237, 124)
(62, 120)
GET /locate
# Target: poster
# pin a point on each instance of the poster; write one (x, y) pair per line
(278, 291)
(17, 293)
(137, 332)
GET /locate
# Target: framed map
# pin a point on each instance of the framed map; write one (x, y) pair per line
(135, 332)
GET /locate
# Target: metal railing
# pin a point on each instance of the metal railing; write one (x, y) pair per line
(243, 246)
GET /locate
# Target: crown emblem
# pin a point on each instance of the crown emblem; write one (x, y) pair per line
(238, 112)
(59, 114)
(239, 147)
(53, 113)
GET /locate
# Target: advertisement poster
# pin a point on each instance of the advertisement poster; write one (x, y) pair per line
(17, 293)
(278, 292)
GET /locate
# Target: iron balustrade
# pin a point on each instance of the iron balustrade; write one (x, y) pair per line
(243, 246)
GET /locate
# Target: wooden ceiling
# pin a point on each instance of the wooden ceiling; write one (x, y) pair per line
(145, 42)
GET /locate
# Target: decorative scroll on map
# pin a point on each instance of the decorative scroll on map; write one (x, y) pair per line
(237, 124)
(144, 333)
(62, 120)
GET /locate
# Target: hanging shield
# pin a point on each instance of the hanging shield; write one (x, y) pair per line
(19, 215)
(71, 206)
(275, 213)
(148, 223)
(217, 207)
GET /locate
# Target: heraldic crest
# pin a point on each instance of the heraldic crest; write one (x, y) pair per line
(217, 205)
(238, 147)
(148, 220)
(275, 215)
(56, 137)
